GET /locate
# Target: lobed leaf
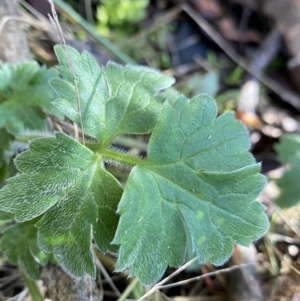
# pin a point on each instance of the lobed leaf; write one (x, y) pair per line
(65, 182)
(15, 77)
(289, 153)
(24, 96)
(18, 242)
(200, 180)
(15, 118)
(113, 100)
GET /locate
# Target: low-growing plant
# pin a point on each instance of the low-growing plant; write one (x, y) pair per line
(25, 101)
(120, 15)
(199, 179)
(289, 153)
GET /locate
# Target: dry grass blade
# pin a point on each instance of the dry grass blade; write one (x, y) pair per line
(286, 220)
(6, 19)
(280, 255)
(21, 296)
(285, 94)
(158, 285)
(60, 34)
(107, 277)
(161, 285)
(227, 270)
(197, 298)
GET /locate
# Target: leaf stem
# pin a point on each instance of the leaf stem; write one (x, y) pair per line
(33, 288)
(121, 157)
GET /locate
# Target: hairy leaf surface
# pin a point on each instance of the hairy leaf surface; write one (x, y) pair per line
(18, 242)
(200, 180)
(289, 153)
(113, 100)
(65, 181)
(24, 96)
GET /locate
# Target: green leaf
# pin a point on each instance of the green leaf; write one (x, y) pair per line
(113, 100)
(289, 148)
(24, 96)
(15, 117)
(200, 180)
(204, 83)
(18, 242)
(289, 153)
(39, 92)
(15, 77)
(65, 181)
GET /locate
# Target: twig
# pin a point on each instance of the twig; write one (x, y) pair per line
(100, 284)
(250, 90)
(274, 237)
(76, 134)
(106, 276)
(32, 10)
(269, 48)
(279, 254)
(285, 94)
(286, 220)
(160, 285)
(20, 296)
(227, 270)
(156, 287)
(90, 288)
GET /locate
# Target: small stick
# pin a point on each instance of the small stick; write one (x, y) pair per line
(158, 285)
(289, 96)
(161, 285)
(227, 270)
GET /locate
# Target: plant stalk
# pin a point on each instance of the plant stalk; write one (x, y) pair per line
(32, 288)
(121, 157)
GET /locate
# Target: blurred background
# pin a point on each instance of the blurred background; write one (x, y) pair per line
(244, 53)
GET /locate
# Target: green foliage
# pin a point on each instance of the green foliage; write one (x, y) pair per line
(235, 77)
(289, 153)
(19, 244)
(114, 100)
(120, 14)
(187, 187)
(65, 179)
(198, 180)
(25, 97)
(204, 83)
